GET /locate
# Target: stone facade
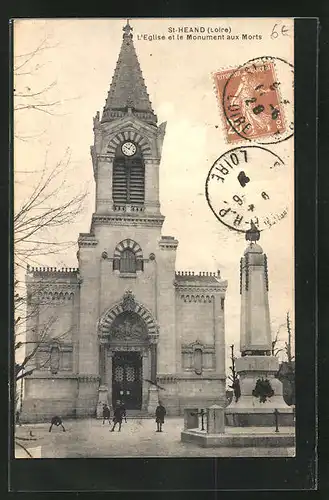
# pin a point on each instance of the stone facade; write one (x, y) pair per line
(125, 324)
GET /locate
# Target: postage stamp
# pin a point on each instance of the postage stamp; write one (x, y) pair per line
(252, 103)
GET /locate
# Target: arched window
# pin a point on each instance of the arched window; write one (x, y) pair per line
(128, 261)
(128, 257)
(54, 359)
(128, 179)
(198, 361)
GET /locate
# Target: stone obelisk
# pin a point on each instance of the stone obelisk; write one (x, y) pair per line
(260, 391)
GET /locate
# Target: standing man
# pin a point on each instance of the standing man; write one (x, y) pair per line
(160, 413)
(56, 421)
(119, 415)
(106, 413)
(18, 422)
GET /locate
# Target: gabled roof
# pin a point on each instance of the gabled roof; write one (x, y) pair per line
(128, 92)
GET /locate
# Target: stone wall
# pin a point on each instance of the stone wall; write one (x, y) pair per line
(182, 393)
(46, 397)
(195, 320)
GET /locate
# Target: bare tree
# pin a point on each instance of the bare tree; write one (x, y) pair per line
(49, 204)
(42, 338)
(22, 331)
(288, 347)
(30, 97)
(233, 378)
(286, 373)
(276, 350)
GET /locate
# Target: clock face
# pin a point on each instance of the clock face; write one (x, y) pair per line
(249, 183)
(128, 148)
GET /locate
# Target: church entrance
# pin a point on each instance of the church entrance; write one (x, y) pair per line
(127, 379)
(128, 354)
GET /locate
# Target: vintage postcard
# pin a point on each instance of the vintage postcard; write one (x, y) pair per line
(154, 237)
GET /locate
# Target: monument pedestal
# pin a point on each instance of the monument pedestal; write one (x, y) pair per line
(191, 418)
(217, 435)
(249, 410)
(215, 420)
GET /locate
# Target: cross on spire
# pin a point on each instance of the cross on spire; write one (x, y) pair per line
(128, 93)
(127, 30)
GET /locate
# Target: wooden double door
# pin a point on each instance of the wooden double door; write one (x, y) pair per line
(127, 379)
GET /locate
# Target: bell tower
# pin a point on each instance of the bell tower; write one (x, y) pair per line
(124, 249)
(127, 147)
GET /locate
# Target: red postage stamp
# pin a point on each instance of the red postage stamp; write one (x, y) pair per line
(250, 102)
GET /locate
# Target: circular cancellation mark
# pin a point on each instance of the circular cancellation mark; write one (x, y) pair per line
(248, 183)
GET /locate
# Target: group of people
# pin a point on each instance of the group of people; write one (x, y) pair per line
(120, 414)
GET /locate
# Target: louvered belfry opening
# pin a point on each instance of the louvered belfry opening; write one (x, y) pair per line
(128, 183)
(128, 261)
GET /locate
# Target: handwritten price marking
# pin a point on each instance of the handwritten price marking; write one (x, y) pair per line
(278, 30)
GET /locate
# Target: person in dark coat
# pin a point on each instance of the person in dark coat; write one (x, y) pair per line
(106, 413)
(119, 415)
(56, 421)
(18, 422)
(160, 413)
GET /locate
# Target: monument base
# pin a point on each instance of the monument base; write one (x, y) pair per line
(258, 417)
(229, 439)
(251, 410)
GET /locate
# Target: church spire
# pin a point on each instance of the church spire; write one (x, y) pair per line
(128, 92)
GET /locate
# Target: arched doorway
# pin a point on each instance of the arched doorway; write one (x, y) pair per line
(128, 354)
(128, 341)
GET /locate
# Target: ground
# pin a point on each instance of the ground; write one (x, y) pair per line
(91, 439)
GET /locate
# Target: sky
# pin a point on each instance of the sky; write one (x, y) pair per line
(76, 65)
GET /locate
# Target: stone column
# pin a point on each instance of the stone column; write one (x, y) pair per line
(145, 375)
(153, 362)
(166, 355)
(88, 340)
(152, 204)
(104, 186)
(219, 335)
(103, 388)
(102, 364)
(108, 360)
(153, 391)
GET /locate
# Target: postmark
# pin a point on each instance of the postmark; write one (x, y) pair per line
(256, 100)
(247, 183)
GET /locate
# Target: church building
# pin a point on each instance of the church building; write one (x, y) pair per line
(124, 325)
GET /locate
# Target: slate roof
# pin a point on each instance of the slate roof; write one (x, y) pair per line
(128, 89)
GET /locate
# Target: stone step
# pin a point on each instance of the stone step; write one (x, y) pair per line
(138, 414)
